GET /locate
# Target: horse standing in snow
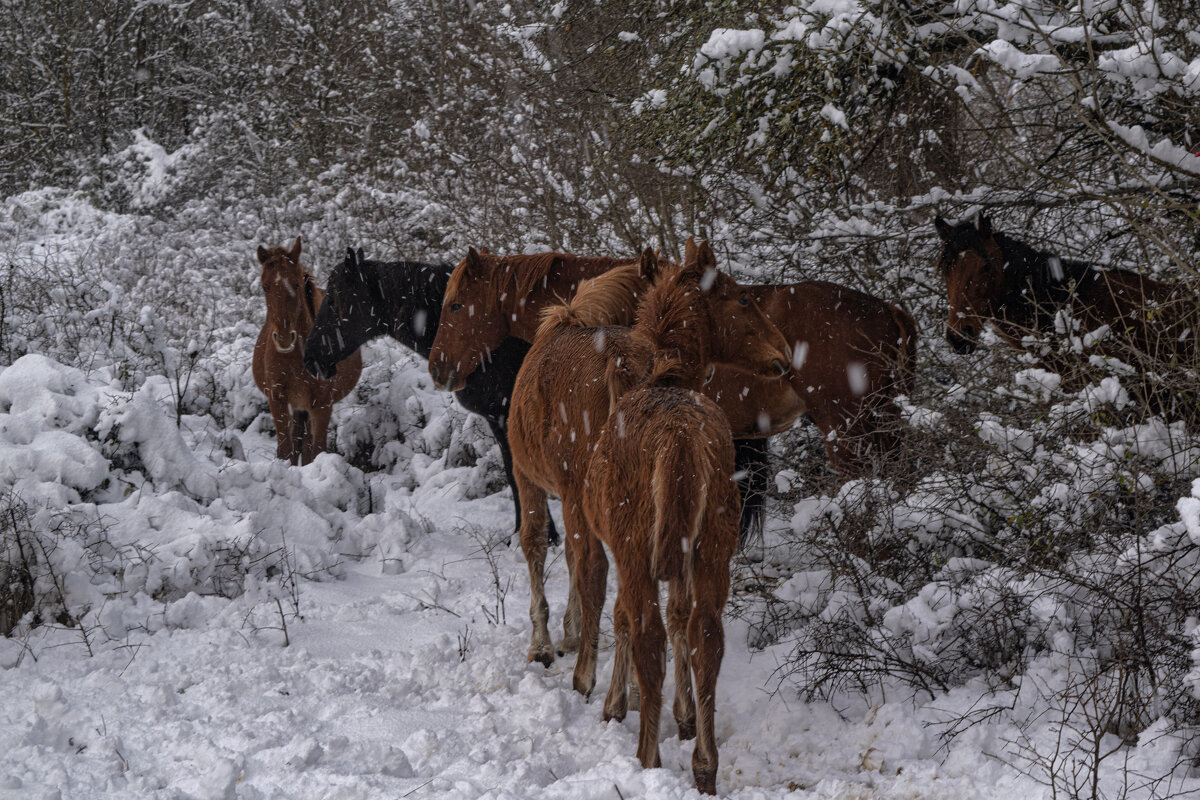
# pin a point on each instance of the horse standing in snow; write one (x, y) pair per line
(366, 299)
(491, 296)
(660, 492)
(990, 277)
(300, 404)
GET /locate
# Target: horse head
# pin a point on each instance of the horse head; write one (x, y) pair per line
(972, 264)
(288, 290)
(473, 323)
(735, 330)
(350, 314)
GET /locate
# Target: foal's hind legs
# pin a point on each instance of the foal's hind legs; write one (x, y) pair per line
(533, 545)
(678, 612)
(616, 702)
(706, 635)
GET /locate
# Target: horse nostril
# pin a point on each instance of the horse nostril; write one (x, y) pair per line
(780, 367)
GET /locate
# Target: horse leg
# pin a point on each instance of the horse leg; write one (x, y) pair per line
(706, 635)
(533, 545)
(616, 702)
(590, 580)
(573, 615)
(750, 459)
(501, 433)
(648, 639)
(679, 602)
(316, 438)
(281, 414)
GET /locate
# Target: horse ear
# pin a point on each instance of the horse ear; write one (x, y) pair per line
(943, 228)
(350, 256)
(689, 250)
(295, 252)
(262, 254)
(473, 265)
(705, 257)
(648, 265)
(361, 257)
(983, 225)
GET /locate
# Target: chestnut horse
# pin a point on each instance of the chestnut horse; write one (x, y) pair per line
(561, 399)
(854, 353)
(366, 299)
(490, 297)
(300, 404)
(660, 493)
(993, 278)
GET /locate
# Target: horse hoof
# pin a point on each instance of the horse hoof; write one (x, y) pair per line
(542, 655)
(706, 780)
(568, 645)
(687, 729)
(614, 712)
(583, 686)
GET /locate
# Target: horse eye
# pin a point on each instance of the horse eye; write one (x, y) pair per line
(456, 306)
(744, 300)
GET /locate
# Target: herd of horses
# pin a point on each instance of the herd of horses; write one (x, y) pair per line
(641, 393)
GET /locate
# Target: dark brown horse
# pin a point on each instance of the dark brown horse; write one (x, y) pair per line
(993, 278)
(300, 404)
(660, 493)
(854, 353)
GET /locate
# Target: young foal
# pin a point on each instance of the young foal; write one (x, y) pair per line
(660, 493)
(403, 299)
(493, 296)
(300, 404)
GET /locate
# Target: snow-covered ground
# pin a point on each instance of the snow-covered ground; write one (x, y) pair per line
(211, 623)
(405, 672)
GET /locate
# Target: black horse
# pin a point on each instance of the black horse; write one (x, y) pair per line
(403, 299)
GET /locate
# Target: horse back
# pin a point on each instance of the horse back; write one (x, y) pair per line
(835, 327)
(560, 401)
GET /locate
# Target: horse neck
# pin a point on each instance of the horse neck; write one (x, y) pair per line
(555, 287)
(409, 290)
(1031, 276)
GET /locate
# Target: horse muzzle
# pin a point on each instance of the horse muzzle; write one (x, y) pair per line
(444, 381)
(291, 345)
(960, 343)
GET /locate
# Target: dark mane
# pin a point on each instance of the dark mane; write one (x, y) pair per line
(408, 290)
(1049, 278)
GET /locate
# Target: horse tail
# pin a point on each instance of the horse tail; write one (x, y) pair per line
(904, 372)
(607, 299)
(680, 484)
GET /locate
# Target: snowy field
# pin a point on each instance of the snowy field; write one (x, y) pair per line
(405, 672)
(211, 623)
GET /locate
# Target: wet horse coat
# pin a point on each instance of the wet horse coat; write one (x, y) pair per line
(660, 493)
(300, 404)
(855, 353)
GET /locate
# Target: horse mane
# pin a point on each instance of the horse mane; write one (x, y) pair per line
(607, 299)
(1026, 266)
(669, 321)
